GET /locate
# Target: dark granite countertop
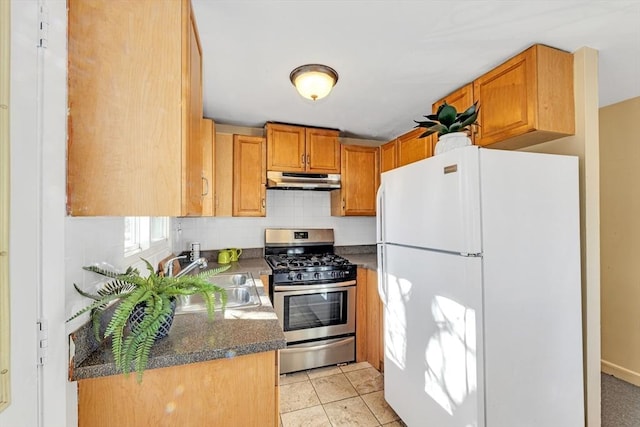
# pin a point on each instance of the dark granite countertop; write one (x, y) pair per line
(369, 261)
(195, 338)
(255, 266)
(363, 255)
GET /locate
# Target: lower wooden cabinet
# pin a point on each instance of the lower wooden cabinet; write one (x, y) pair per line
(221, 392)
(369, 320)
(360, 178)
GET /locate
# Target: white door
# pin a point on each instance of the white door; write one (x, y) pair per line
(432, 331)
(433, 203)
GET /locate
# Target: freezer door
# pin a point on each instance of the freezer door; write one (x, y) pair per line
(432, 356)
(433, 203)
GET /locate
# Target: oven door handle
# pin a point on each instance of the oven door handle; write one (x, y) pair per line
(314, 287)
(316, 347)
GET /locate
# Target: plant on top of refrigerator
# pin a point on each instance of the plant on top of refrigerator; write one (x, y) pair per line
(448, 120)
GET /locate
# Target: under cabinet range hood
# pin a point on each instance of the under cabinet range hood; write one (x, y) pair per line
(302, 181)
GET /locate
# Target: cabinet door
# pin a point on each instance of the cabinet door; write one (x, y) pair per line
(207, 132)
(507, 94)
(375, 344)
(286, 145)
(322, 151)
(123, 156)
(249, 176)
(223, 198)
(360, 175)
(134, 119)
(192, 170)
(361, 315)
(389, 156)
(182, 395)
(461, 99)
(411, 148)
(526, 100)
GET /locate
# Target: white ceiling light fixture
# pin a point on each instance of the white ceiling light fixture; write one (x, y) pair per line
(314, 81)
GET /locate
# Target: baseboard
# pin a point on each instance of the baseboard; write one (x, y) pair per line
(620, 372)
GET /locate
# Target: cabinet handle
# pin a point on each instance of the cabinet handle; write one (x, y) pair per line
(344, 204)
(302, 159)
(206, 185)
(264, 204)
(308, 159)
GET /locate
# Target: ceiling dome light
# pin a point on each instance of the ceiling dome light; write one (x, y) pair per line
(314, 81)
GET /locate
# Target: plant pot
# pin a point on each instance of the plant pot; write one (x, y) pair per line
(451, 141)
(138, 314)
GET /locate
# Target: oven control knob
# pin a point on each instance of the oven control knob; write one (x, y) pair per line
(292, 275)
(316, 275)
(299, 276)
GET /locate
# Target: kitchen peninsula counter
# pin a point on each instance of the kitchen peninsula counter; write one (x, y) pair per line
(193, 338)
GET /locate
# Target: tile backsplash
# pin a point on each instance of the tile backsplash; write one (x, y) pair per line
(285, 209)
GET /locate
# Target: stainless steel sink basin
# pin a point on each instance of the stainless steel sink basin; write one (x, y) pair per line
(241, 293)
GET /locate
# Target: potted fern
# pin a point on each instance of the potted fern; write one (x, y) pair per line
(452, 127)
(144, 311)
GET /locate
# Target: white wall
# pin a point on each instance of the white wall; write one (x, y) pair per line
(620, 235)
(285, 209)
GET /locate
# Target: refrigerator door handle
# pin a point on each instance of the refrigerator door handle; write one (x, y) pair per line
(380, 214)
(381, 275)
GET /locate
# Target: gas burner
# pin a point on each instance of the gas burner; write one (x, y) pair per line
(305, 260)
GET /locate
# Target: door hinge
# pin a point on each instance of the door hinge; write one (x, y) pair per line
(43, 340)
(43, 24)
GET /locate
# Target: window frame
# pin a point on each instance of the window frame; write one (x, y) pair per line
(139, 239)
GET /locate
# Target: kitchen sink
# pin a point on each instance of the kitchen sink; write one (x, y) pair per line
(241, 293)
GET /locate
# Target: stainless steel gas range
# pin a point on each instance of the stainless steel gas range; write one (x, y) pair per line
(314, 295)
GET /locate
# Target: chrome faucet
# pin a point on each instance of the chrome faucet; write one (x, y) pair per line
(168, 266)
(200, 262)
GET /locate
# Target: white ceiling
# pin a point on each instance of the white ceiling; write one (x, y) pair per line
(394, 58)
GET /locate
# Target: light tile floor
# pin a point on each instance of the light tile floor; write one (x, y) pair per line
(335, 396)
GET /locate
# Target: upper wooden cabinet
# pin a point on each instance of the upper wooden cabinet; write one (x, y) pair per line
(461, 99)
(208, 132)
(249, 176)
(299, 149)
(223, 197)
(360, 179)
(135, 109)
(411, 148)
(526, 100)
(389, 155)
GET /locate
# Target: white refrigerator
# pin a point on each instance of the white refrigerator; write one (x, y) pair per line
(479, 274)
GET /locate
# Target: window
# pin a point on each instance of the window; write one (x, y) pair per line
(142, 233)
